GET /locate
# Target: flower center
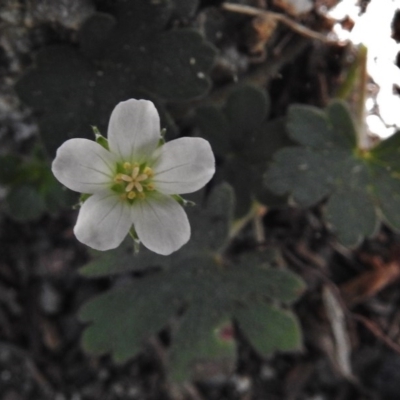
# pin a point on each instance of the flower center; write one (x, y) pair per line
(134, 181)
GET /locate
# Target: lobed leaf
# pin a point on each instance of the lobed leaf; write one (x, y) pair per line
(246, 108)
(126, 55)
(313, 127)
(182, 53)
(302, 173)
(124, 318)
(387, 152)
(309, 126)
(244, 138)
(214, 126)
(269, 329)
(387, 191)
(360, 187)
(343, 124)
(185, 8)
(198, 340)
(206, 296)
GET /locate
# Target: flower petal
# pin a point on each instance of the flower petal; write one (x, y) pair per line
(84, 166)
(103, 221)
(134, 130)
(183, 166)
(161, 223)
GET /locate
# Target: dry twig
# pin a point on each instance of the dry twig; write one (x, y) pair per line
(277, 17)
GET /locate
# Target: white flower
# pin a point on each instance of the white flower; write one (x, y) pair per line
(132, 182)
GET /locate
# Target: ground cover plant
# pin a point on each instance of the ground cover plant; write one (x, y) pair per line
(191, 205)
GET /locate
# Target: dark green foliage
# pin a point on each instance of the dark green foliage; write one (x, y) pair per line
(210, 231)
(9, 168)
(177, 65)
(201, 292)
(32, 188)
(246, 108)
(59, 89)
(387, 189)
(209, 294)
(245, 139)
(359, 185)
(25, 203)
(268, 328)
(185, 8)
(385, 165)
(387, 152)
(129, 55)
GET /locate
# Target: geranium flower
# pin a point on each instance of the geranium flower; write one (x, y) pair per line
(132, 183)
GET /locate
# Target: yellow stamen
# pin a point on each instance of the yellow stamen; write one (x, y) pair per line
(130, 186)
(135, 181)
(135, 172)
(118, 178)
(141, 177)
(148, 171)
(126, 178)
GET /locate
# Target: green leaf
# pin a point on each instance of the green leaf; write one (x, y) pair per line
(241, 177)
(9, 169)
(94, 33)
(360, 186)
(215, 128)
(343, 124)
(128, 55)
(274, 284)
(387, 191)
(387, 152)
(205, 294)
(210, 227)
(58, 89)
(303, 173)
(267, 139)
(246, 108)
(350, 224)
(24, 203)
(122, 260)
(309, 126)
(185, 8)
(124, 318)
(269, 328)
(146, 17)
(313, 127)
(199, 339)
(245, 139)
(56, 197)
(32, 188)
(184, 54)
